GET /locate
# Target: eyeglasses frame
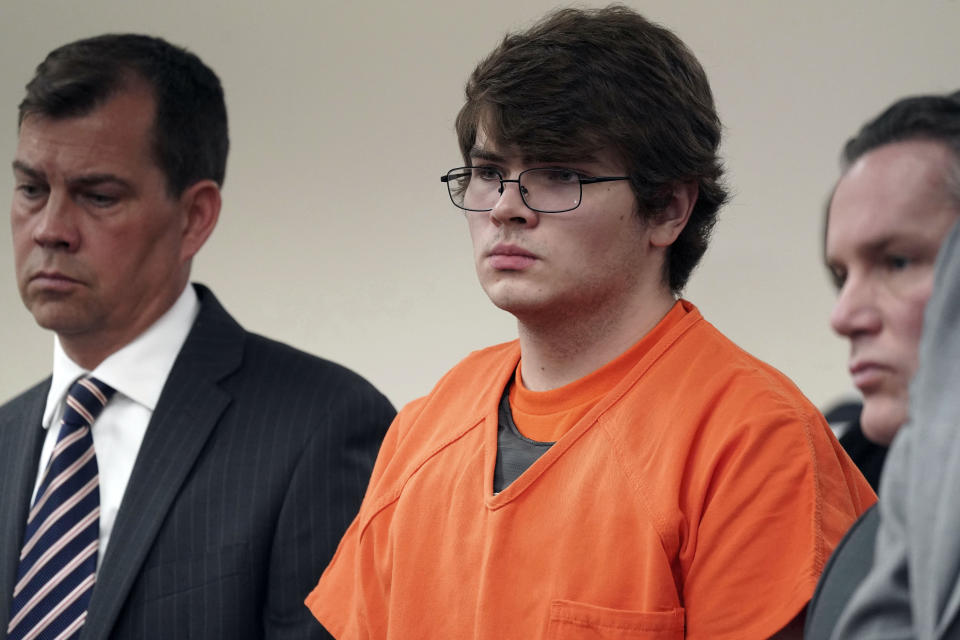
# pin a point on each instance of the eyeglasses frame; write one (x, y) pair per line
(582, 180)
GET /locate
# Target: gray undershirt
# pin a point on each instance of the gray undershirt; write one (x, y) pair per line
(515, 452)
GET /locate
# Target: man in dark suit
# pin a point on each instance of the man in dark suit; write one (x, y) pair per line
(226, 465)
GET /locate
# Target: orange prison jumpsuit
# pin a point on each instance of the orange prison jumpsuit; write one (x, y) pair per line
(698, 498)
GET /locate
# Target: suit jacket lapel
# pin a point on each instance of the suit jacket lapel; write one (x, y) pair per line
(188, 410)
(21, 438)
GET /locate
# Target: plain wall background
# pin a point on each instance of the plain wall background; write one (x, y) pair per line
(337, 236)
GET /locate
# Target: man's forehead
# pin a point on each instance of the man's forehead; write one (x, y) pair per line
(485, 148)
(926, 162)
(891, 193)
(109, 139)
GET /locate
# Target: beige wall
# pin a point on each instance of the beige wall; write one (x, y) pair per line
(372, 267)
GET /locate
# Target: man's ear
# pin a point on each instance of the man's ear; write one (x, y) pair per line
(201, 205)
(670, 222)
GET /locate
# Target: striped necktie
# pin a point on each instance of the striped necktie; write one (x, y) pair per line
(58, 560)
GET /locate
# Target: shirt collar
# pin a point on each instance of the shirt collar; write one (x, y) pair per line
(139, 369)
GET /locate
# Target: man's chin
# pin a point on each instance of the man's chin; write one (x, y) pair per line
(881, 419)
(515, 303)
(62, 319)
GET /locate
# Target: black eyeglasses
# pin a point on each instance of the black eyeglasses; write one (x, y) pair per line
(545, 190)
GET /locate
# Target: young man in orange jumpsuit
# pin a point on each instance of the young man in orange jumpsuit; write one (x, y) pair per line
(622, 469)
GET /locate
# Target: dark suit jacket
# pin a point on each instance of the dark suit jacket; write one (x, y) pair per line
(254, 462)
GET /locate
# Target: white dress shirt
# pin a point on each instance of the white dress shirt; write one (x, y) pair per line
(138, 372)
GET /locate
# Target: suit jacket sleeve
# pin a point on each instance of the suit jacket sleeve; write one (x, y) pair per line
(324, 494)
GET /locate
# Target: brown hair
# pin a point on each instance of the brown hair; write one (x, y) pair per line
(935, 118)
(190, 137)
(580, 81)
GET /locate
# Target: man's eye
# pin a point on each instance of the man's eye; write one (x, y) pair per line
(30, 191)
(897, 263)
(564, 176)
(838, 277)
(100, 200)
(486, 173)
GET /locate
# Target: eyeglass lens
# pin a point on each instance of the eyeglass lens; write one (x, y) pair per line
(548, 190)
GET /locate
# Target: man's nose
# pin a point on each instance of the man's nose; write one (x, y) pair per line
(55, 225)
(511, 207)
(855, 310)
